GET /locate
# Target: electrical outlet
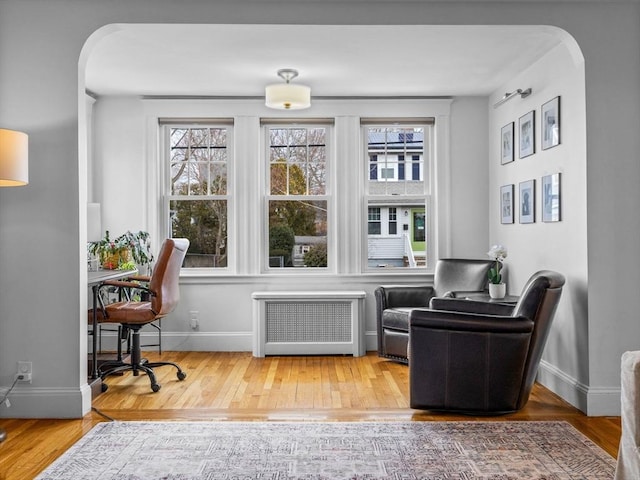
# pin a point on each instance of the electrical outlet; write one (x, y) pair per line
(25, 372)
(194, 319)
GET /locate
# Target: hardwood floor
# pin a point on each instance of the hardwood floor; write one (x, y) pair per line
(227, 386)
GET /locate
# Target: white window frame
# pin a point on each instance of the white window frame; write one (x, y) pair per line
(166, 197)
(267, 124)
(427, 170)
(347, 236)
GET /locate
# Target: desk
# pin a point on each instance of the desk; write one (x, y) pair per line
(94, 280)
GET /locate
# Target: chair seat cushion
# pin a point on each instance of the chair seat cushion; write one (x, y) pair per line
(127, 312)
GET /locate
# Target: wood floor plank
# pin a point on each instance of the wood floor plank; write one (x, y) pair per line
(234, 386)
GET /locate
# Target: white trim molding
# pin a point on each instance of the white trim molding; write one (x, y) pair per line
(593, 401)
(45, 402)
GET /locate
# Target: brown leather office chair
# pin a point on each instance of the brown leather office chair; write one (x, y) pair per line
(164, 294)
(481, 358)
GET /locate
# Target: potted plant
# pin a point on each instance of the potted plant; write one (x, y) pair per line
(123, 252)
(497, 288)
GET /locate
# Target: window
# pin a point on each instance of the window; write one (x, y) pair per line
(416, 167)
(393, 221)
(375, 225)
(387, 173)
(398, 185)
(400, 167)
(373, 167)
(197, 197)
(297, 195)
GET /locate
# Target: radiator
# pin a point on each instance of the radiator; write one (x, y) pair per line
(308, 323)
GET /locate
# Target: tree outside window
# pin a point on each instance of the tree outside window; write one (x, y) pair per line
(198, 203)
(297, 196)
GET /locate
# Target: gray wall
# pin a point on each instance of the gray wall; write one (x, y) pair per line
(558, 246)
(42, 304)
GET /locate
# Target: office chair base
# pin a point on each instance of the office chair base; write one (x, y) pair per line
(138, 364)
(3, 435)
(145, 367)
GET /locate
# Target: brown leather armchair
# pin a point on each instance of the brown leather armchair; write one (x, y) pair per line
(452, 277)
(481, 358)
(163, 296)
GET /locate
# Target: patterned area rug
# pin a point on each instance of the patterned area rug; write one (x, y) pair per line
(335, 450)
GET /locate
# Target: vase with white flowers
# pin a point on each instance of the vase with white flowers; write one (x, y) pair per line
(497, 288)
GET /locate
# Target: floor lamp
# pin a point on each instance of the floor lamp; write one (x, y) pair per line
(14, 170)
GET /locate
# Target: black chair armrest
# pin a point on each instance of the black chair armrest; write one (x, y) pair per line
(140, 278)
(471, 306)
(124, 287)
(468, 321)
(392, 296)
(124, 284)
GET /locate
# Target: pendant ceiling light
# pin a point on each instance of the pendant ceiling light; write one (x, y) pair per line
(287, 96)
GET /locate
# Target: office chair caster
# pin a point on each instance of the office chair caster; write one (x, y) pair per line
(181, 375)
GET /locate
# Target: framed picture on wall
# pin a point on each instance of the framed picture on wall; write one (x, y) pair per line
(506, 143)
(551, 198)
(526, 133)
(527, 201)
(551, 123)
(506, 204)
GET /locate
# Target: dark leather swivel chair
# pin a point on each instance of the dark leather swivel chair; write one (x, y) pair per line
(481, 358)
(164, 294)
(452, 277)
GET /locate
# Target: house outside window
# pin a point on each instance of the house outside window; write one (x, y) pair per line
(197, 191)
(297, 196)
(398, 192)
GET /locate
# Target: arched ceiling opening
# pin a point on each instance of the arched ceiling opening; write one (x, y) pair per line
(335, 60)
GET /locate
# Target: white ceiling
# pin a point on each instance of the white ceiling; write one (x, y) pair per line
(352, 61)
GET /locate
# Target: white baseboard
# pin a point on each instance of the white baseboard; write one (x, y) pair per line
(38, 402)
(189, 341)
(208, 341)
(371, 340)
(593, 401)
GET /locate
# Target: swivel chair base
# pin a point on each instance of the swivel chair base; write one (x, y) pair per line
(3, 435)
(137, 364)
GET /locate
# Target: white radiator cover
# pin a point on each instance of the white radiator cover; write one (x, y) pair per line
(308, 323)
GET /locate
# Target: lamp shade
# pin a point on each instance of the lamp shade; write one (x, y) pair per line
(287, 96)
(14, 158)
